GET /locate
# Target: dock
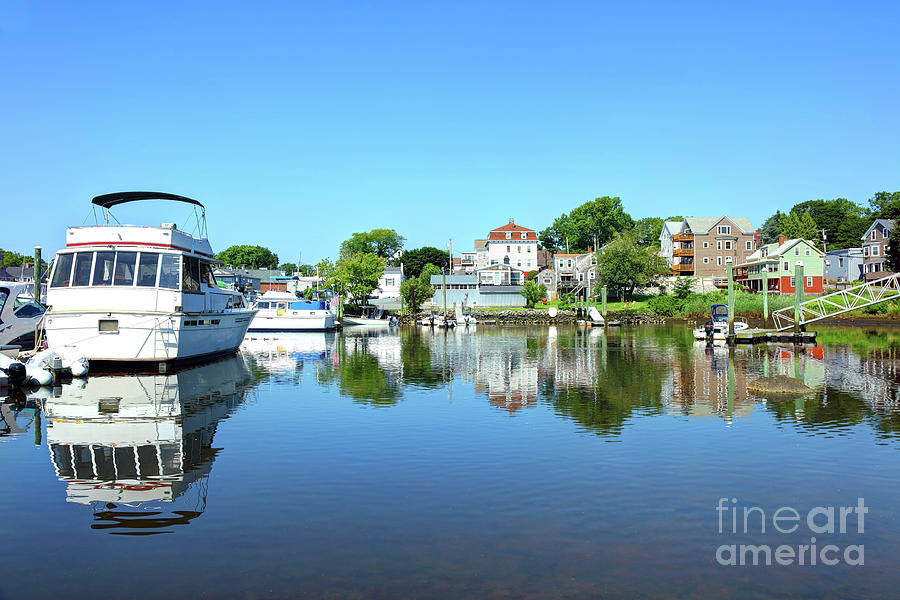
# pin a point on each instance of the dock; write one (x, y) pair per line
(761, 336)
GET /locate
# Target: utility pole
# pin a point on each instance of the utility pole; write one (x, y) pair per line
(824, 241)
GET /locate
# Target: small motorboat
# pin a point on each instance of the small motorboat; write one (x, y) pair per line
(717, 327)
(374, 318)
(284, 311)
(19, 315)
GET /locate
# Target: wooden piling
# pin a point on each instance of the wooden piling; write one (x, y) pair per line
(37, 273)
(798, 294)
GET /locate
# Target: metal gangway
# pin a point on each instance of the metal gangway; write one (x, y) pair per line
(842, 301)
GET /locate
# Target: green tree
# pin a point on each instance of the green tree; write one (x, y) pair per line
(684, 287)
(593, 223)
(533, 292)
(648, 230)
(844, 221)
(330, 275)
(415, 260)
(771, 229)
(359, 274)
(254, 257)
(288, 268)
(14, 259)
(893, 250)
(415, 291)
(885, 205)
(624, 264)
(428, 271)
(383, 243)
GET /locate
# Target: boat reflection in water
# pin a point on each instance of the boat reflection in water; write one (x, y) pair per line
(138, 449)
(284, 353)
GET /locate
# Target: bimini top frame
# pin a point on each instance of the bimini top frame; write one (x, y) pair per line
(107, 201)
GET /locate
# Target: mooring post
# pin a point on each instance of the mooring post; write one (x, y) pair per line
(603, 301)
(37, 273)
(798, 294)
(765, 291)
(444, 286)
(730, 270)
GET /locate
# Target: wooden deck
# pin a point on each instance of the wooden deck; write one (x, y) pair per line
(760, 336)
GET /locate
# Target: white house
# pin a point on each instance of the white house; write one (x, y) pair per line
(666, 240)
(388, 283)
(511, 245)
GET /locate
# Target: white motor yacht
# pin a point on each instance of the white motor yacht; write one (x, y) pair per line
(125, 294)
(283, 311)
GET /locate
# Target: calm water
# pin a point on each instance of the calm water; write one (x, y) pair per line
(503, 463)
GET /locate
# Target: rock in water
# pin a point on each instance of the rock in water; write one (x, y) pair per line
(780, 385)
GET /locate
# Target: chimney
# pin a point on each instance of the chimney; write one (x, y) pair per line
(511, 222)
(782, 239)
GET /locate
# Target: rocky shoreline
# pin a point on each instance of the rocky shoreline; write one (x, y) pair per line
(542, 317)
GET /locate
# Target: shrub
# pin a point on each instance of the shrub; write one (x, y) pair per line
(667, 306)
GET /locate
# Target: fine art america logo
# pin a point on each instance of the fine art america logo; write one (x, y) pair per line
(826, 522)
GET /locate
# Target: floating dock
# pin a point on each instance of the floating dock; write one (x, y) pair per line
(761, 336)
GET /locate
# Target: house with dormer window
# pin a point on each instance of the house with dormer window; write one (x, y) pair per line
(512, 245)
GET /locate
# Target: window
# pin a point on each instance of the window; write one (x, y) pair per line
(792, 282)
(705, 260)
(125, 262)
(389, 282)
(508, 249)
(62, 271)
(750, 244)
(25, 308)
(865, 251)
(718, 244)
(728, 244)
(262, 305)
(787, 267)
(519, 263)
(493, 261)
(809, 282)
(524, 235)
(807, 252)
(727, 259)
(508, 235)
(569, 263)
(796, 251)
(207, 274)
(529, 248)
(872, 237)
(581, 277)
(874, 250)
(840, 262)
(147, 266)
(719, 261)
(724, 229)
(190, 274)
(528, 263)
(706, 244)
(103, 268)
(168, 271)
(592, 275)
(519, 249)
(82, 273)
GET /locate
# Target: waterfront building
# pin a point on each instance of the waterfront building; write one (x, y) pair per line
(388, 283)
(874, 246)
(570, 273)
(780, 260)
(497, 285)
(511, 245)
(667, 240)
(703, 247)
(844, 265)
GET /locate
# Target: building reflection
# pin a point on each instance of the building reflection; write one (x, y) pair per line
(138, 449)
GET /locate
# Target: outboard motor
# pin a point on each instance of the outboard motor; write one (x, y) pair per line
(709, 329)
(16, 373)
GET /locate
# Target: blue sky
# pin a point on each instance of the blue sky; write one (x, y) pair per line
(300, 123)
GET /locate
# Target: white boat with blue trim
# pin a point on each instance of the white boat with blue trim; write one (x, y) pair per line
(284, 311)
(127, 295)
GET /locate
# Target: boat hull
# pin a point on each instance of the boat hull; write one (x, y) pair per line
(290, 323)
(140, 337)
(363, 322)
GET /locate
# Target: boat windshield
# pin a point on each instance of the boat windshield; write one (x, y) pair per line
(4, 294)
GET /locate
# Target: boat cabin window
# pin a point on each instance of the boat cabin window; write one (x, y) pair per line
(146, 271)
(103, 269)
(262, 305)
(125, 262)
(190, 274)
(207, 272)
(82, 273)
(4, 294)
(25, 307)
(168, 271)
(62, 270)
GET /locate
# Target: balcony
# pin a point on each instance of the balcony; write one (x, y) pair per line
(683, 268)
(683, 252)
(683, 237)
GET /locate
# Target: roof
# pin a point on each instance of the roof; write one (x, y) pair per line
(846, 251)
(885, 223)
(500, 232)
(110, 200)
(389, 270)
(704, 224)
(480, 244)
(437, 279)
(672, 227)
